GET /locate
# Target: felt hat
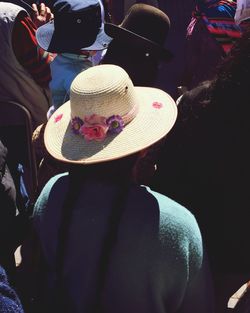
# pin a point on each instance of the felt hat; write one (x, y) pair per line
(107, 117)
(144, 26)
(77, 25)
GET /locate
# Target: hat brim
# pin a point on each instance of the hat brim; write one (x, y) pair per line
(133, 40)
(156, 116)
(45, 33)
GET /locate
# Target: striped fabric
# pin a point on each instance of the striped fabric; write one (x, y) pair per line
(27, 52)
(218, 17)
(225, 31)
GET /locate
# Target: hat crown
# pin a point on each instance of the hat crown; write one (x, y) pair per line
(104, 90)
(67, 6)
(147, 21)
(74, 16)
(77, 25)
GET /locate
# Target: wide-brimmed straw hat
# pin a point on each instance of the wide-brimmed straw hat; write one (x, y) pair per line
(77, 25)
(107, 117)
(144, 26)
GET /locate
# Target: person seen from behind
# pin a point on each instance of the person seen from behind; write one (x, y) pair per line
(74, 35)
(109, 243)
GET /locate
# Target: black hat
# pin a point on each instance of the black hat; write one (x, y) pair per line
(144, 26)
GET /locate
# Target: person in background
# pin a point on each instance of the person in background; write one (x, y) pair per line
(25, 71)
(74, 43)
(8, 212)
(74, 35)
(137, 46)
(204, 166)
(13, 218)
(211, 34)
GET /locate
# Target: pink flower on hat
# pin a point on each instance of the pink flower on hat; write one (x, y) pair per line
(58, 118)
(94, 127)
(157, 105)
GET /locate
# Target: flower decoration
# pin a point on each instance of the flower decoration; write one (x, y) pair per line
(157, 105)
(94, 119)
(115, 124)
(58, 118)
(96, 127)
(76, 124)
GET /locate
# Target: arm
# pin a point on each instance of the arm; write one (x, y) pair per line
(199, 296)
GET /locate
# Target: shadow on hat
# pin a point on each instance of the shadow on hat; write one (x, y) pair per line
(77, 25)
(138, 43)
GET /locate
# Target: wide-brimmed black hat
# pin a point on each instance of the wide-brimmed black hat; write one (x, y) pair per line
(143, 26)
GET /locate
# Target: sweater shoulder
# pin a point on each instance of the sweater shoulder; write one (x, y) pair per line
(178, 224)
(175, 214)
(56, 185)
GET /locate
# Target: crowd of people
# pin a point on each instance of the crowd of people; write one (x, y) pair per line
(141, 200)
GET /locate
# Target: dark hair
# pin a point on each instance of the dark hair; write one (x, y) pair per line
(111, 170)
(135, 167)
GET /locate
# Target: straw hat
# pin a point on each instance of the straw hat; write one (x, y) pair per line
(107, 117)
(77, 25)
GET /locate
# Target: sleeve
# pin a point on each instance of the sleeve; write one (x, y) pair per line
(187, 258)
(200, 288)
(29, 55)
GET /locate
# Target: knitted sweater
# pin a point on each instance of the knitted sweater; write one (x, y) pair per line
(156, 263)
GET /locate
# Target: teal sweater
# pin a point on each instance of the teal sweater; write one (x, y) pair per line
(156, 264)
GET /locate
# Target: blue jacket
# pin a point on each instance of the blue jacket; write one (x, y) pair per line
(64, 68)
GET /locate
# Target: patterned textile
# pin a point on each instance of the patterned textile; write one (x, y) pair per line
(36, 61)
(218, 17)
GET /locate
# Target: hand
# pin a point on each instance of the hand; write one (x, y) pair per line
(41, 15)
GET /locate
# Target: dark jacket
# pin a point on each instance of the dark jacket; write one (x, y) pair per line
(7, 214)
(205, 166)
